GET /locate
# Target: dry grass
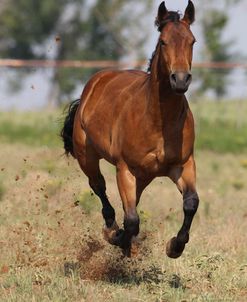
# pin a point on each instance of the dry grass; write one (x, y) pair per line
(52, 247)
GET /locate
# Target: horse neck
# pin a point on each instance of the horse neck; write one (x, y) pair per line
(163, 102)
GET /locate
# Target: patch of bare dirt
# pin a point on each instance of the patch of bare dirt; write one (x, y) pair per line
(99, 261)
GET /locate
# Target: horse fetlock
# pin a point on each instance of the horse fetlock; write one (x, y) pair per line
(109, 222)
(131, 225)
(174, 248)
(118, 238)
(183, 237)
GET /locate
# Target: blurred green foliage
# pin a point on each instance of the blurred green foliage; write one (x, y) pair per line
(216, 48)
(70, 30)
(26, 24)
(220, 127)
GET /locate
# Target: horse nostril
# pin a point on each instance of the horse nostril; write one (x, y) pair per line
(188, 78)
(180, 80)
(173, 78)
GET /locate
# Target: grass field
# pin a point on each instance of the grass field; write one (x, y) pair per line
(50, 237)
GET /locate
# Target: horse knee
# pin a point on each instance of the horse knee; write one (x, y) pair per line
(191, 202)
(131, 224)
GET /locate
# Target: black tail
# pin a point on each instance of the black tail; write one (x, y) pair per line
(67, 131)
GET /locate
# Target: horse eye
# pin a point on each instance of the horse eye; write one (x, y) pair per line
(163, 43)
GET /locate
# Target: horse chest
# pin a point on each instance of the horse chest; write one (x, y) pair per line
(153, 162)
(159, 160)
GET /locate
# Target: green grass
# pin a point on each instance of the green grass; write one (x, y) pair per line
(2, 189)
(30, 128)
(221, 136)
(52, 247)
(51, 242)
(88, 202)
(220, 127)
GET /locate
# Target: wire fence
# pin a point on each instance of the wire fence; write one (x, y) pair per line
(36, 90)
(105, 64)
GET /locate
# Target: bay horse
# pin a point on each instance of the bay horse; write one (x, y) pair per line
(141, 123)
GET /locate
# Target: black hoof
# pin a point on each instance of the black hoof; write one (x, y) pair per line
(118, 238)
(174, 248)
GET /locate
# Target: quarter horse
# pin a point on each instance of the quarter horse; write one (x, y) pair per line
(141, 123)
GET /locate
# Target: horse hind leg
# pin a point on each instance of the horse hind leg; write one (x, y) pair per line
(97, 183)
(88, 160)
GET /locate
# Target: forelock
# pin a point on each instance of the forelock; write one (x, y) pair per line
(171, 17)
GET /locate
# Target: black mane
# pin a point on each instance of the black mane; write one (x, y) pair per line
(150, 62)
(171, 17)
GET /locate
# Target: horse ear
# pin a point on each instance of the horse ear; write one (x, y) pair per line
(189, 15)
(162, 13)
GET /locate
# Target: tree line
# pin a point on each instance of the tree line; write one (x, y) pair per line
(102, 30)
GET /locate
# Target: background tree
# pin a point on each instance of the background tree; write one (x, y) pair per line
(216, 50)
(214, 20)
(81, 32)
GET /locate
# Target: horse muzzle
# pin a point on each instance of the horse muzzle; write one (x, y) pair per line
(180, 81)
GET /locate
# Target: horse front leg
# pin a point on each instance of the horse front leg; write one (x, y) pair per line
(127, 186)
(130, 189)
(185, 180)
